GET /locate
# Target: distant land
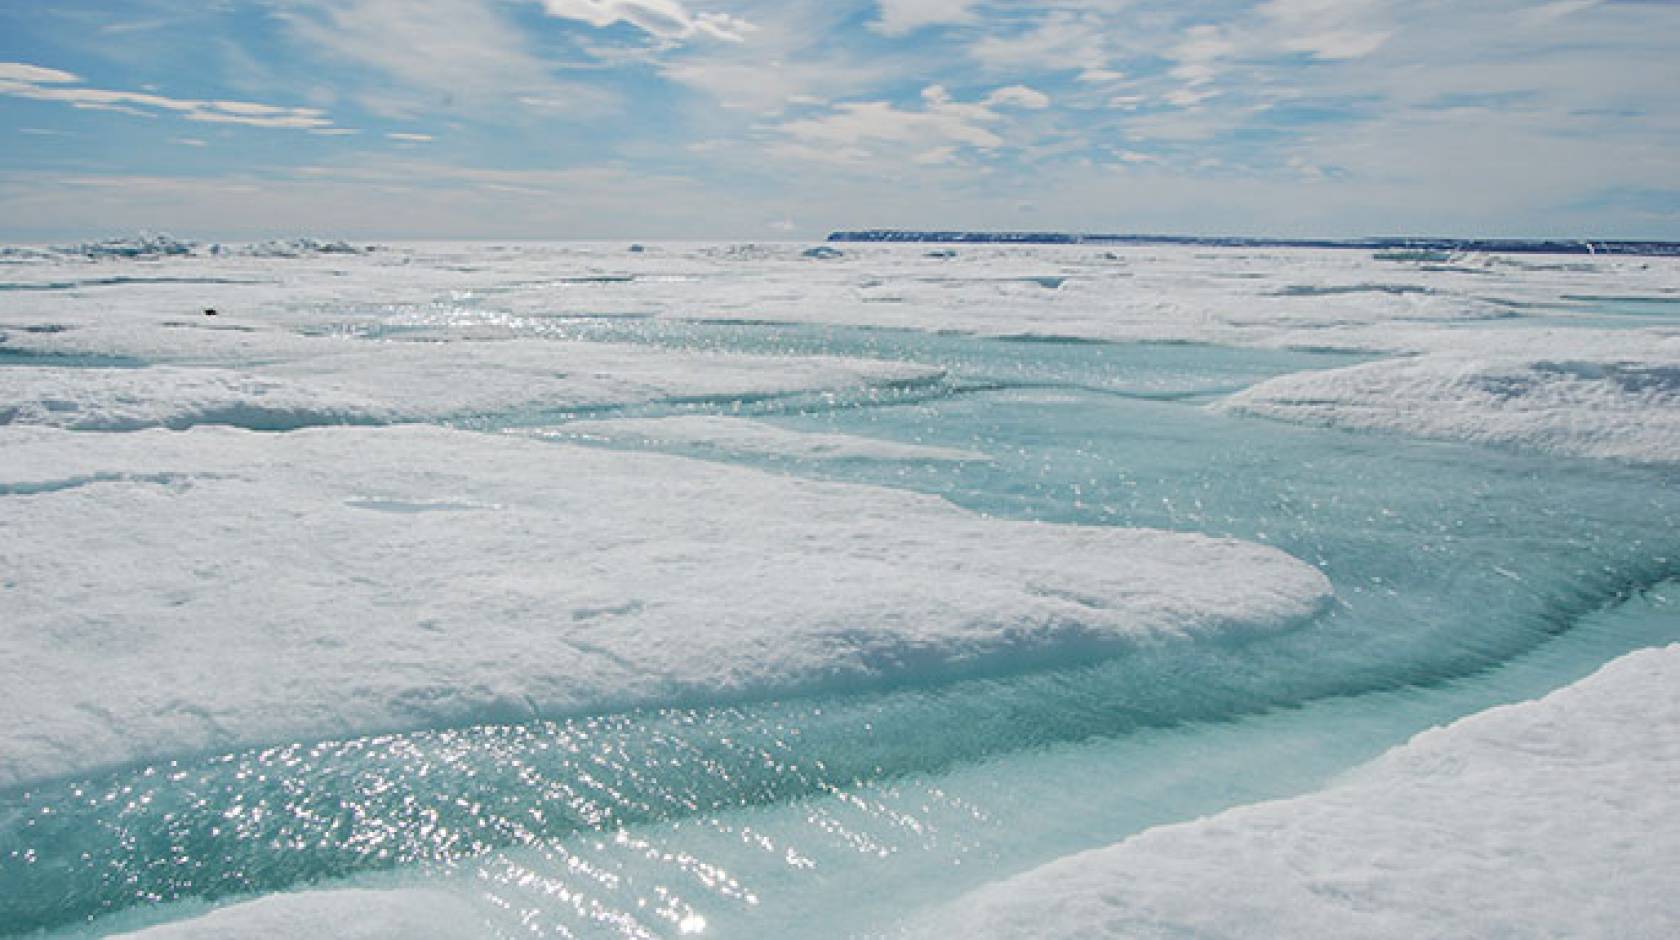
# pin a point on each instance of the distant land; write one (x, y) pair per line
(1424, 244)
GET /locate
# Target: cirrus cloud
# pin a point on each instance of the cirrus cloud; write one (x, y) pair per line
(24, 80)
(665, 19)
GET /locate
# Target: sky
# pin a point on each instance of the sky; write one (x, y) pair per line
(784, 119)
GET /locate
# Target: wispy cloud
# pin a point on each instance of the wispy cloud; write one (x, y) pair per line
(23, 80)
(666, 19)
(1343, 115)
(931, 135)
(900, 17)
(445, 54)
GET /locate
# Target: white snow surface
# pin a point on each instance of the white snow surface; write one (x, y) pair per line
(171, 592)
(172, 397)
(1553, 818)
(389, 382)
(757, 438)
(1272, 297)
(344, 914)
(1613, 406)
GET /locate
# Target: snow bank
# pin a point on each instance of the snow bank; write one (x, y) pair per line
(374, 383)
(1618, 408)
(1553, 818)
(172, 592)
(292, 248)
(350, 914)
(445, 379)
(150, 246)
(146, 245)
(131, 399)
(757, 438)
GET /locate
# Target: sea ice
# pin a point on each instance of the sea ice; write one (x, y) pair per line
(1616, 406)
(1552, 818)
(167, 593)
(344, 914)
(172, 592)
(377, 383)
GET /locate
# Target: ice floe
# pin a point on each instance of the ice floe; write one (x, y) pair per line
(377, 383)
(345, 914)
(1624, 407)
(1553, 818)
(172, 397)
(172, 592)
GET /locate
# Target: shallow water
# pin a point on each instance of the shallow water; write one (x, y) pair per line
(1465, 577)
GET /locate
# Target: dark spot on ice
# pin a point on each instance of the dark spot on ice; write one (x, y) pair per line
(1048, 282)
(414, 506)
(209, 311)
(1311, 290)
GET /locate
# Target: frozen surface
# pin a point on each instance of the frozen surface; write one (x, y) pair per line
(417, 382)
(488, 576)
(1260, 297)
(1553, 818)
(348, 914)
(743, 436)
(1614, 406)
(933, 646)
(173, 397)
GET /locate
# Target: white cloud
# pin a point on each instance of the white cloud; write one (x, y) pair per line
(791, 60)
(878, 121)
(900, 17)
(411, 138)
(1191, 95)
(34, 74)
(451, 54)
(1561, 8)
(932, 135)
(1060, 41)
(21, 80)
(936, 156)
(665, 19)
(1328, 29)
(1338, 44)
(1200, 54)
(1018, 96)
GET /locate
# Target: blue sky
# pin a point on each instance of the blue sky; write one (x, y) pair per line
(787, 118)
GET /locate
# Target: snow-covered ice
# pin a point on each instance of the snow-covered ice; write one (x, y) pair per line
(418, 382)
(198, 584)
(1553, 818)
(1625, 407)
(344, 914)
(173, 397)
(172, 592)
